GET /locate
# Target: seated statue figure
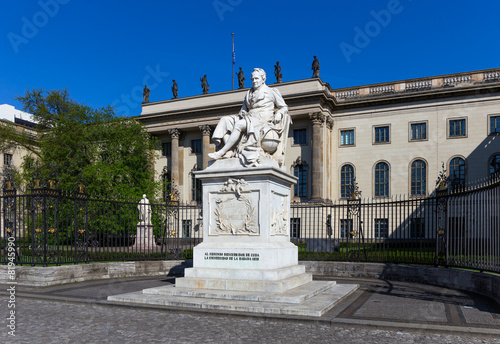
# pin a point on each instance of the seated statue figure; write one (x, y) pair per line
(260, 128)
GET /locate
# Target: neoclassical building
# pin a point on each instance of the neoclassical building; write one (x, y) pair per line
(392, 138)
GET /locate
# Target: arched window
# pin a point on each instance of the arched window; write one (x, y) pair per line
(166, 179)
(495, 164)
(382, 180)
(457, 172)
(418, 178)
(346, 181)
(196, 190)
(300, 171)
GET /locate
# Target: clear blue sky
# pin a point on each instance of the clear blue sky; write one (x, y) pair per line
(103, 51)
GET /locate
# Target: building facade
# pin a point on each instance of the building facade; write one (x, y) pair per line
(13, 155)
(390, 138)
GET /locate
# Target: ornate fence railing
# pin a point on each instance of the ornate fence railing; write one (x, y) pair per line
(456, 228)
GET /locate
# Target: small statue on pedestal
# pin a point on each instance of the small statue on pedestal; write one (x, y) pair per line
(144, 211)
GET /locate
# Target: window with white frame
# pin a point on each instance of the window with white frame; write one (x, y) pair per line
(381, 134)
(346, 181)
(494, 125)
(418, 175)
(457, 128)
(457, 172)
(347, 137)
(381, 228)
(418, 131)
(381, 182)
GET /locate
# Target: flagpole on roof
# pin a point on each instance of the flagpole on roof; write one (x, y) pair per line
(233, 57)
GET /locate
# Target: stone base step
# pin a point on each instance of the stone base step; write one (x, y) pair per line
(246, 274)
(249, 285)
(296, 295)
(315, 306)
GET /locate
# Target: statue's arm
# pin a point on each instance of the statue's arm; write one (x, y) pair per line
(280, 104)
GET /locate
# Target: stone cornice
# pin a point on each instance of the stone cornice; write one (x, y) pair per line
(429, 87)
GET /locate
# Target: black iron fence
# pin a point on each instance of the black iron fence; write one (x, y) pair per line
(459, 228)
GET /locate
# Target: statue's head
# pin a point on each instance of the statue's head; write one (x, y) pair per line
(258, 77)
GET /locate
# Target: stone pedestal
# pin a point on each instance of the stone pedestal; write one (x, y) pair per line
(144, 238)
(246, 240)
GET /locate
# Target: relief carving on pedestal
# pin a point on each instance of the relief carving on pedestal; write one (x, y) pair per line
(279, 225)
(235, 213)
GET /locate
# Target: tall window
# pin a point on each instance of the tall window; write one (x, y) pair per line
(417, 228)
(418, 131)
(495, 164)
(299, 136)
(494, 124)
(381, 228)
(346, 228)
(347, 137)
(295, 227)
(381, 134)
(300, 171)
(187, 225)
(166, 148)
(7, 159)
(418, 178)
(196, 146)
(457, 171)
(196, 189)
(346, 181)
(382, 180)
(457, 127)
(166, 179)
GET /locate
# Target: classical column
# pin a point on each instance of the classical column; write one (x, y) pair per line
(206, 130)
(318, 120)
(174, 168)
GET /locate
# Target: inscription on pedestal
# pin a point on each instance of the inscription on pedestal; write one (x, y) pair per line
(232, 256)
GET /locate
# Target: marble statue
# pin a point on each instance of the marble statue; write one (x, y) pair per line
(258, 130)
(315, 67)
(145, 94)
(277, 72)
(241, 79)
(144, 210)
(204, 84)
(175, 89)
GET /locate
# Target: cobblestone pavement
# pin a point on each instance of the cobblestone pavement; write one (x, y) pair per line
(41, 321)
(407, 313)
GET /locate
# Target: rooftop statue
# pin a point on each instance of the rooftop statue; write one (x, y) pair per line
(315, 67)
(145, 94)
(258, 130)
(277, 72)
(241, 79)
(204, 84)
(175, 89)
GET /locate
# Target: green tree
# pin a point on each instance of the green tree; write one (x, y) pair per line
(112, 155)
